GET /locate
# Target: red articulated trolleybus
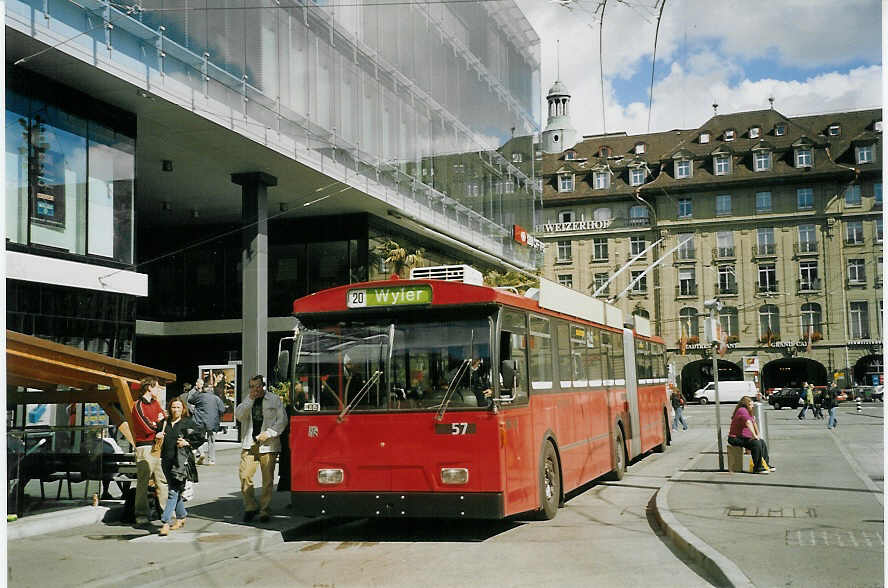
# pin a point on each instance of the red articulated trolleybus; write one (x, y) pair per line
(434, 398)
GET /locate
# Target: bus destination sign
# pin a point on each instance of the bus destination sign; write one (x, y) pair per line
(389, 296)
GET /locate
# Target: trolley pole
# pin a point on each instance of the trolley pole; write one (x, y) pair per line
(714, 306)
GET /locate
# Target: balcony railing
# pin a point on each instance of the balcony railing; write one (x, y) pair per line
(726, 289)
(765, 287)
(639, 221)
(804, 247)
(723, 253)
(686, 290)
(768, 249)
(809, 285)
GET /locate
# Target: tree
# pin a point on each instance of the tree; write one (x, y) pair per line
(521, 281)
(398, 257)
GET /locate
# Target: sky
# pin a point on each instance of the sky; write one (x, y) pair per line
(811, 56)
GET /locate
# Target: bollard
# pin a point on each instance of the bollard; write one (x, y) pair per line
(761, 420)
(859, 408)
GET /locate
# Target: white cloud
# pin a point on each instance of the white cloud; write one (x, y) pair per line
(734, 54)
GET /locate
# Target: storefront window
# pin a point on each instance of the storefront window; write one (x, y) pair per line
(16, 168)
(69, 178)
(111, 175)
(58, 181)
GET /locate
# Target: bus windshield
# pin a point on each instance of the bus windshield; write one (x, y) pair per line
(403, 362)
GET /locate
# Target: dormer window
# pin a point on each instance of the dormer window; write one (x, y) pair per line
(601, 180)
(604, 152)
(570, 155)
(729, 135)
(754, 132)
(761, 160)
(566, 183)
(834, 130)
(803, 157)
(683, 168)
(704, 137)
(640, 148)
(779, 130)
(865, 153)
(721, 164)
(637, 176)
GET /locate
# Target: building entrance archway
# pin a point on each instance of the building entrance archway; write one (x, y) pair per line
(698, 373)
(791, 372)
(868, 371)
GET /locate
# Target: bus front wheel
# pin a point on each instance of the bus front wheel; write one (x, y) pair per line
(550, 484)
(619, 456)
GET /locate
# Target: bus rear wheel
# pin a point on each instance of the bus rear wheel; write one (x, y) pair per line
(550, 484)
(619, 456)
(662, 446)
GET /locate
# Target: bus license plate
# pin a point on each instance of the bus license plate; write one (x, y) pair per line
(455, 428)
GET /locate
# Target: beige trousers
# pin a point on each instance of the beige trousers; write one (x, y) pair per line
(250, 459)
(148, 467)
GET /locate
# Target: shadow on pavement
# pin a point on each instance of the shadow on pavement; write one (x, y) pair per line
(387, 530)
(759, 484)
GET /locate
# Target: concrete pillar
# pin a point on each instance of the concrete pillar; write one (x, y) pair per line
(254, 268)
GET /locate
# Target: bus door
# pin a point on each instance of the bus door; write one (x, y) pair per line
(632, 393)
(516, 423)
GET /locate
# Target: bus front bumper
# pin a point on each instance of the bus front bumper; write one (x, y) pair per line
(474, 505)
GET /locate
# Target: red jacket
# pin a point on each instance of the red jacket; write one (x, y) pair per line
(143, 433)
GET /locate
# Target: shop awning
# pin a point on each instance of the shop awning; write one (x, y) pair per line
(52, 373)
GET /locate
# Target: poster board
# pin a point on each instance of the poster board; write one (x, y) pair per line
(225, 379)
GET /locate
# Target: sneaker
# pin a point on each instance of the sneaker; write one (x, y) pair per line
(250, 515)
(209, 462)
(141, 520)
(761, 471)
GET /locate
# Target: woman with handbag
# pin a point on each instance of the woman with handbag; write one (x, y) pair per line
(180, 435)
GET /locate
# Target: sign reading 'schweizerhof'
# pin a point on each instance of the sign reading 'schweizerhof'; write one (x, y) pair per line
(583, 225)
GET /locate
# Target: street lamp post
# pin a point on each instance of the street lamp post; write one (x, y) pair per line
(715, 306)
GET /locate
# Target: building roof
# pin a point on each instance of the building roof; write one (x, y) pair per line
(776, 133)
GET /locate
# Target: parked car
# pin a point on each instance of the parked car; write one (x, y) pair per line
(785, 397)
(866, 393)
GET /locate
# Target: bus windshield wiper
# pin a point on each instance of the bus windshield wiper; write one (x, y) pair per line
(460, 372)
(373, 379)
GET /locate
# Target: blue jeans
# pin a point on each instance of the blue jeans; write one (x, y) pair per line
(174, 501)
(833, 421)
(679, 418)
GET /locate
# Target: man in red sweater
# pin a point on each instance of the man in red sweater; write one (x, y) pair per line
(147, 419)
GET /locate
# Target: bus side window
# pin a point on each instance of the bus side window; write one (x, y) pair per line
(513, 347)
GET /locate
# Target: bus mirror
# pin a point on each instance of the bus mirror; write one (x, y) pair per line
(283, 364)
(508, 370)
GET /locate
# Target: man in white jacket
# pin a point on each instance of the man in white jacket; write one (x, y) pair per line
(262, 419)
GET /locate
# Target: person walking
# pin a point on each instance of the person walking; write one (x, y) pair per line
(206, 414)
(808, 397)
(818, 403)
(831, 404)
(263, 419)
(147, 418)
(744, 433)
(678, 404)
(179, 435)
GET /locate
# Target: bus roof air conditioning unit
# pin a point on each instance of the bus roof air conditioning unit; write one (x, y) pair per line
(450, 273)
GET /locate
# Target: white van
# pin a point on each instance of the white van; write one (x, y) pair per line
(729, 391)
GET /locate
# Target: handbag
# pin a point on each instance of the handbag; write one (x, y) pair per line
(188, 491)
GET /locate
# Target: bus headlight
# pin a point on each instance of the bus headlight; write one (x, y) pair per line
(454, 475)
(330, 476)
